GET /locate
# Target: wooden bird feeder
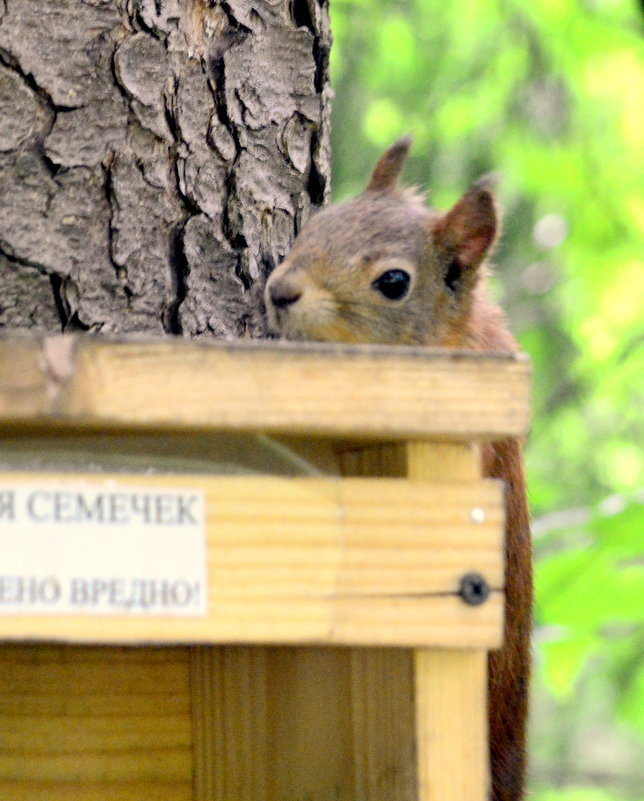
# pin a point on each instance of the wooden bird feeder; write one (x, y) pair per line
(171, 632)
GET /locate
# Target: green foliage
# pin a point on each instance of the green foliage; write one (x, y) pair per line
(551, 95)
(591, 601)
(577, 794)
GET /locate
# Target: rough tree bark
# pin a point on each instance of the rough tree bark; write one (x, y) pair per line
(156, 159)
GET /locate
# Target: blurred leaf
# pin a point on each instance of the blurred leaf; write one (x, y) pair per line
(580, 794)
(601, 581)
(382, 122)
(631, 706)
(563, 662)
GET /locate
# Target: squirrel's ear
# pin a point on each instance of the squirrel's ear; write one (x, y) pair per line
(385, 174)
(469, 229)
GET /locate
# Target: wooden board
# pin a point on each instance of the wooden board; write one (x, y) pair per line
(350, 561)
(94, 723)
(451, 684)
(451, 709)
(333, 390)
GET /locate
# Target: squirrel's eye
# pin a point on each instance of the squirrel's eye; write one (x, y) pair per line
(393, 284)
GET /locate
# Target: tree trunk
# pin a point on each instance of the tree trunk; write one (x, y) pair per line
(157, 158)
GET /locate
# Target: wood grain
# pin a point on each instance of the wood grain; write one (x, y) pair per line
(451, 683)
(230, 723)
(451, 688)
(355, 561)
(94, 723)
(351, 561)
(343, 391)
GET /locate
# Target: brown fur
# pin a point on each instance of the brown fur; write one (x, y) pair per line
(326, 289)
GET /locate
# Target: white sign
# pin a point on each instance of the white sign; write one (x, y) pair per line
(70, 547)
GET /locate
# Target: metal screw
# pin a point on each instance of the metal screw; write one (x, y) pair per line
(474, 589)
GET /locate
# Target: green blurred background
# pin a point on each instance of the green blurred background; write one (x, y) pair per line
(550, 94)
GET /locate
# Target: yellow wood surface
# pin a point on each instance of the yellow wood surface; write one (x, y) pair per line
(344, 391)
(382, 688)
(351, 561)
(451, 684)
(230, 723)
(297, 561)
(309, 724)
(382, 702)
(451, 691)
(81, 724)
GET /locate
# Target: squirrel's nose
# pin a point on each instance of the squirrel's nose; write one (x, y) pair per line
(283, 294)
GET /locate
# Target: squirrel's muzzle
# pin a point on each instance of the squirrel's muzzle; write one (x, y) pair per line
(297, 307)
(282, 293)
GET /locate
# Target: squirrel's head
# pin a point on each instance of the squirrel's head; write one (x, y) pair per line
(384, 268)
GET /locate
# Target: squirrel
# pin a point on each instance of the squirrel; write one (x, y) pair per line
(385, 268)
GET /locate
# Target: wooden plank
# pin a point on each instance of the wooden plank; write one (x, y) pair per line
(451, 689)
(443, 461)
(382, 687)
(345, 561)
(333, 390)
(451, 684)
(341, 723)
(230, 723)
(95, 791)
(382, 697)
(374, 459)
(77, 724)
(309, 732)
